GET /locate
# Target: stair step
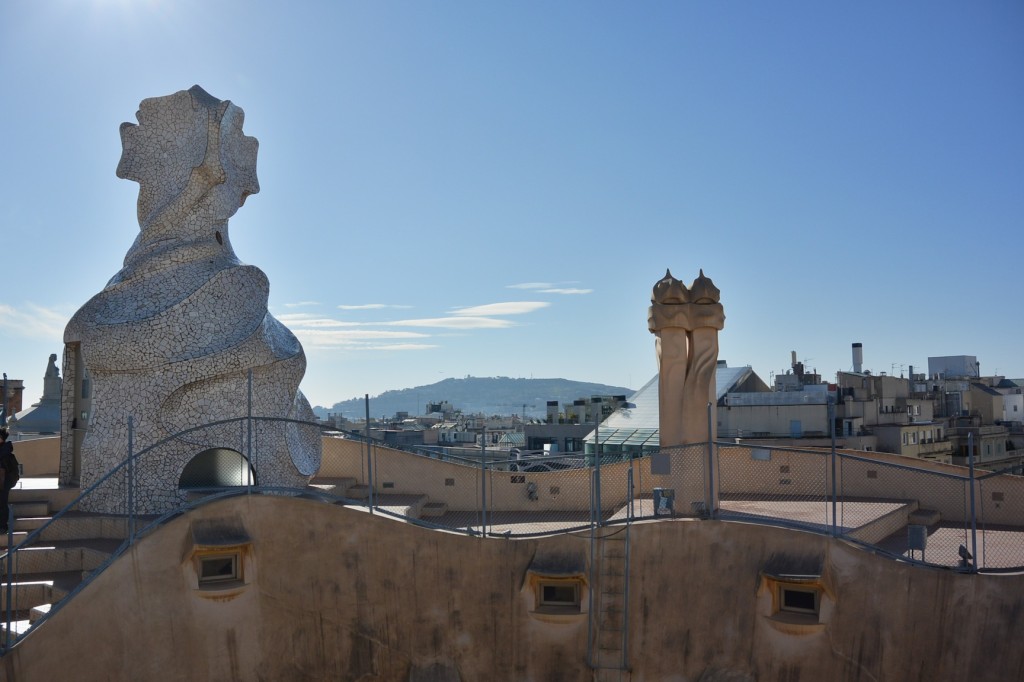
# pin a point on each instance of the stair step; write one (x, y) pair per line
(334, 485)
(610, 624)
(30, 523)
(434, 509)
(25, 594)
(31, 590)
(31, 508)
(58, 558)
(924, 517)
(62, 555)
(38, 611)
(18, 627)
(18, 536)
(402, 505)
(359, 491)
(83, 526)
(70, 527)
(43, 489)
(613, 673)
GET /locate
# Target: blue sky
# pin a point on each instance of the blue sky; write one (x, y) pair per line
(492, 188)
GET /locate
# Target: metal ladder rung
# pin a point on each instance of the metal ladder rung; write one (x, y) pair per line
(611, 611)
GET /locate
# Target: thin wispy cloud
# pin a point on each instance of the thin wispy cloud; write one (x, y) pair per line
(342, 335)
(313, 322)
(32, 321)
(530, 285)
(356, 338)
(373, 306)
(290, 318)
(453, 323)
(397, 346)
(361, 339)
(307, 323)
(322, 332)
(354, 346)
(507, 308)
(569, 292)
(551, 288)
(301, 304)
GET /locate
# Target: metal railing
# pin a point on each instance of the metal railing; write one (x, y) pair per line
(911, 510)
(929, 514)
(939, 515)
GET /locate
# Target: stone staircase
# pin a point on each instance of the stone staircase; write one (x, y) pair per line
(42, 574)
(410, 505)
(929, 518)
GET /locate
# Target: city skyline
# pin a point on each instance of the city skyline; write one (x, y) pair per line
(492, 190)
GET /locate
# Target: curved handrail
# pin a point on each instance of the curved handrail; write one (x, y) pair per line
(167, 516)
(495, 465)
(36, 534)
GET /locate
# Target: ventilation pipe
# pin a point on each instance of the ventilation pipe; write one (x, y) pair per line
(580, 408)
(552, 415)
(858, 357)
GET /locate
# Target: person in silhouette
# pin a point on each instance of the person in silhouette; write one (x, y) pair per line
(7, 482)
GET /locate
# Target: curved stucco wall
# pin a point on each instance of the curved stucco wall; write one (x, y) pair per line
(339, 594)
(932, 485)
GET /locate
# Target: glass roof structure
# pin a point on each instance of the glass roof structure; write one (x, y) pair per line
(635, 429)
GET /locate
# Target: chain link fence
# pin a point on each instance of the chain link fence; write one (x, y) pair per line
(774, 485)
(938, 515)
(914, 513)
(1000, 515)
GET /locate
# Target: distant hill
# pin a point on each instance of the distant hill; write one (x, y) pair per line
(489, 395)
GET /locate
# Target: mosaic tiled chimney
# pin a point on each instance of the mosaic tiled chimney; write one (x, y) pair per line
(172, 338)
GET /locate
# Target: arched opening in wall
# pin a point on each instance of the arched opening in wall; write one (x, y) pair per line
(217, 468)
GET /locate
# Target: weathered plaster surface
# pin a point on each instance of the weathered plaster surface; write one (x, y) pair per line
(172, 337)
(338, 594)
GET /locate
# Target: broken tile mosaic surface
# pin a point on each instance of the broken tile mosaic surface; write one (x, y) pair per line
(172, 338)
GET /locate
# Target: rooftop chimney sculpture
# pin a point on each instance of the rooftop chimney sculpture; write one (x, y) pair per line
(172, 338)
(685, 323)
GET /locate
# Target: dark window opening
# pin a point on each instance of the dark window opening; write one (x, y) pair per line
(559, 594)
(804, 601)
(214, 569)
